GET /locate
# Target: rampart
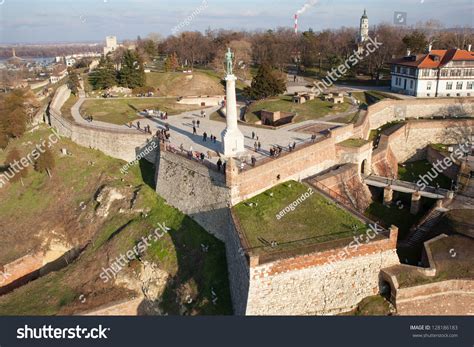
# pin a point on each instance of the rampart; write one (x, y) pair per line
(123, 145)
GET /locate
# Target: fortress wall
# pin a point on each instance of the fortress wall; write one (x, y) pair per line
(410, 141)
(310, 285)
(387, 111)
(433, 156)
(121, 145)
(297, 165)
(202, 194)
(384, 162)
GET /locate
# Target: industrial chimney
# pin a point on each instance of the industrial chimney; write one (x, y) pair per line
(296, 24)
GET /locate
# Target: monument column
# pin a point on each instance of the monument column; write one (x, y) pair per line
(232, 138)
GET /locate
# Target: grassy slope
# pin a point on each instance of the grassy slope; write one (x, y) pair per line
(314, 217)
(122, 111)
(49, 204)
(176, 83)
(313, 109)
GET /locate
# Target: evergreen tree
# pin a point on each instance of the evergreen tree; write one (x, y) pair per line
(132, 74)
(45, 162)
(12, 157)
(104, 76)
(265, 84)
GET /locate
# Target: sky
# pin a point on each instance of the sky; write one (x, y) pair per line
(48, 21)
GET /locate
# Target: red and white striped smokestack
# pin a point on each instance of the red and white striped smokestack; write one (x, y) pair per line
(296, 23)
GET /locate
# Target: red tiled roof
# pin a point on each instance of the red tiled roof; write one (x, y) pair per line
(427, 61)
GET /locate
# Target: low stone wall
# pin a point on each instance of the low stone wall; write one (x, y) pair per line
(312, 285)
(125, 145)
(422, 299)
(212, 100)
(410, 141)
(387, 111)
(297, 165)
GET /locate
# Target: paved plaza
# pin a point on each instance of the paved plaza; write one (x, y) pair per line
(181, 132)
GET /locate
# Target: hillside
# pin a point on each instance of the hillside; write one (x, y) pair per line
(88, 202)
(180, 84)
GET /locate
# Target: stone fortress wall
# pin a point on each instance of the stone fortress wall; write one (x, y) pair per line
(303, 284)
(121, 145)
(313, 285)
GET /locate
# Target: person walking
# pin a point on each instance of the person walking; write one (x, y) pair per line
(259, 146)
(253, 135)
(255, 146)
(254, 160)
(219, 164)
(194, 130)
(204, 136)
(138, 125)
(198, 123)
(194, 123)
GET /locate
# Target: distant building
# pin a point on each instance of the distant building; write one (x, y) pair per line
(363, 32)
(110, 44)
(364, 28)
(437, 73)
(59, 72)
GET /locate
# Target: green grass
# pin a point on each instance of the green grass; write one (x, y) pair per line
(400, 217)
(122, 111)
(45, 204)
(66, 108)
(316, 217)
(355, 143)
(412, 171)
(204, 82)
(313, 109)
(375, 305)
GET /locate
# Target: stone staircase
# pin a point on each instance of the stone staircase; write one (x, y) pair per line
(423, 231)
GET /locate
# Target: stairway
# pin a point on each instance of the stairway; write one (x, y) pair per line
(422, 232)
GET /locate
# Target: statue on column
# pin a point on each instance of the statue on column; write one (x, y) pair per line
(229, 56)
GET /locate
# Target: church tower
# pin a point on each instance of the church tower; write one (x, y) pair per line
(364, 28)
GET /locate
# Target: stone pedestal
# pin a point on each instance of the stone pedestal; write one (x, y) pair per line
(415, 203)
(232, 138)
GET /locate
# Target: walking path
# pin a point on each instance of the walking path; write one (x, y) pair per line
(181, 131)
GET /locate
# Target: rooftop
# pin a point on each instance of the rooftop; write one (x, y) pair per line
(435, 58)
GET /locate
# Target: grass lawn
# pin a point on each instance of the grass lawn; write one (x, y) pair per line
(48, 207)
(412, 172)
(203, 82)
(316, 217)
(313, 109)
(66, 108)
(122, 111)
(400, 217)
(355, 143)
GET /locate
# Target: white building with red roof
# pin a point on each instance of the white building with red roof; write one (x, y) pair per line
(438, 73)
